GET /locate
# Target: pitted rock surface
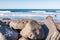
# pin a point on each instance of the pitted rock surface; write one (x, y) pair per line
(18, 24)
(32, 30)
(53, 33)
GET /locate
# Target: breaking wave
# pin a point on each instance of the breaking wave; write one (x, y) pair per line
(5, 11)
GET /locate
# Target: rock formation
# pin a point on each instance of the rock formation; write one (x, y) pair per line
(32, 30)
(53, 33)
(29, 29)
(18, 24)
(8, 32)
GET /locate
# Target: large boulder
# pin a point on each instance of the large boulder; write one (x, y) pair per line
(8, 32)
(32, 30)
(18, 23)
(53, 33)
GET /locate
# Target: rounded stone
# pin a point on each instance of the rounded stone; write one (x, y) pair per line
(32, 30)
(8, 32)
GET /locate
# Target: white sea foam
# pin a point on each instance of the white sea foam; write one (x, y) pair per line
(36, 16)
(5, 11)
(39, 11)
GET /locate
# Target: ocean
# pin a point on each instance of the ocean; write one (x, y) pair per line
(36, 14)
(29, 10)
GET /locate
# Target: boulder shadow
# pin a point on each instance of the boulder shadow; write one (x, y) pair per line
(46, 31)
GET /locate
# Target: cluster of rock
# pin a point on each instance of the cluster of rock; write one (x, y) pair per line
(28, 29)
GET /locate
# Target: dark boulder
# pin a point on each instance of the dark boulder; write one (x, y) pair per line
(8, 32)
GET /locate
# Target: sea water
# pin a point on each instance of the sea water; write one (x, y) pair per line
(36, 14)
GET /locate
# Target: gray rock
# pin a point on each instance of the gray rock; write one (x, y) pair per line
(8, 32)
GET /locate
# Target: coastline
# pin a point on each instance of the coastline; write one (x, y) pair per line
(40, 16)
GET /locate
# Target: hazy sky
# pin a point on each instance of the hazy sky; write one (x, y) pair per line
(29, 4)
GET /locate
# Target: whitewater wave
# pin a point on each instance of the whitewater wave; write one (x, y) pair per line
(5, 11)
(39, 11)
(36, 16)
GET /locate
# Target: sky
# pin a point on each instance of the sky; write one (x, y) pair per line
(29, 4)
